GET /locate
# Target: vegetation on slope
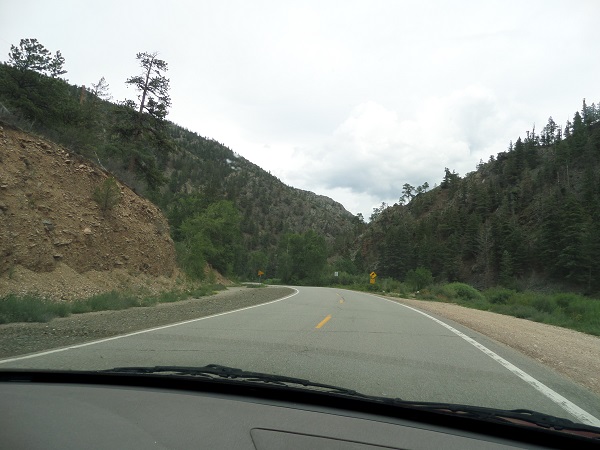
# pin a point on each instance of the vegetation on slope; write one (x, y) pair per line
(529, 217)
(205, 189)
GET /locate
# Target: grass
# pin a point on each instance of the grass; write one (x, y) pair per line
(568, 310)
(32, 308)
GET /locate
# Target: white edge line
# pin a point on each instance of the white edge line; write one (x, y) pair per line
(162, 327)
(561, 401)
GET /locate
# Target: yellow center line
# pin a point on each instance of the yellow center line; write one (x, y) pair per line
(324, 321)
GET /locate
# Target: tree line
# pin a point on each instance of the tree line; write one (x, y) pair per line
(528, 217)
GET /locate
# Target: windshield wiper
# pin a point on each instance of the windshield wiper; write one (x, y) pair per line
(215, 371)
(524, 417)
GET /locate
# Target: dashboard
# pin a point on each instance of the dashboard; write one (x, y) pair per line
(121, 412)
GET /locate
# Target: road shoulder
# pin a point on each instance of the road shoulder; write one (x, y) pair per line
(25, 338)
(571, 353)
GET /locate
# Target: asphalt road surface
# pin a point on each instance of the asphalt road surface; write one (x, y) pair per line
(349, 339)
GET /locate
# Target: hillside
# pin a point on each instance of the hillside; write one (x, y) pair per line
(205, 171)
(527, 218)
(56, 240)
(199, 184)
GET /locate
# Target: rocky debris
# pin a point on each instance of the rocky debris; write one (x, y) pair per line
(48, 218)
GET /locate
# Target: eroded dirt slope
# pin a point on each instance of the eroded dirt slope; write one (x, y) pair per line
(49, 223)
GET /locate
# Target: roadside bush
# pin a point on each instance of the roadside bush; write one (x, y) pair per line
(498, 295)
(462, 291)
(544, 303)
(402, 289)
(29, 308)
(564, 300)
(105, 302)
(345, 279)
(434, 293)
(419, 278)
(190, 259)
(521, 311)
(391, 285)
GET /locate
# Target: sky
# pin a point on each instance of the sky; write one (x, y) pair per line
(348, 99)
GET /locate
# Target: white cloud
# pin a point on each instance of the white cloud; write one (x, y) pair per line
(374, 151)
(350, 102)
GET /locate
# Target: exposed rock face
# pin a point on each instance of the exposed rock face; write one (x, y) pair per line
(48, 216)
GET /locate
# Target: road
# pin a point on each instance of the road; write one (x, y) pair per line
(345, 338)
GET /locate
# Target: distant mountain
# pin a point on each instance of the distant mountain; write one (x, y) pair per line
(208, 171)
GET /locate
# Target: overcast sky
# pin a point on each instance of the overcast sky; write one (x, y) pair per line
(349, 99)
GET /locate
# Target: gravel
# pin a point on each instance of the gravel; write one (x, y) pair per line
(23, 338)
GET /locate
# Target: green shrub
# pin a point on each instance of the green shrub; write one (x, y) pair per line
(434, 293)
(30, 308)
(462, 291)
(498, 295)
(105, 302)
(544, 303)
(390, 284)
(564, 300)
(419, 278)
(521, 311)
(107, 194)
(190, 258)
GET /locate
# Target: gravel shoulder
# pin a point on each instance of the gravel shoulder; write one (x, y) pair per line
(571, 353)
(24, 338)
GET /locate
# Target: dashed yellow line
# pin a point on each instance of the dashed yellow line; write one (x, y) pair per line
(324, 321)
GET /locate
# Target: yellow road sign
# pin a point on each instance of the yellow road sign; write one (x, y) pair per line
(373, 275)
(260, 273)
(372, 280)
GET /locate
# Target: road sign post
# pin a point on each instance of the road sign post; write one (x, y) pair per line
(372, 275)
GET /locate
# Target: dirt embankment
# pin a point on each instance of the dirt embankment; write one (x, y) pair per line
(54, 238)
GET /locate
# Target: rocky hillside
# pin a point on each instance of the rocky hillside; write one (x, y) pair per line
(50, 223)
(180, 171)
(208, 169)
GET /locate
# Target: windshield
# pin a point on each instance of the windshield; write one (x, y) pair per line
(398, 199)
